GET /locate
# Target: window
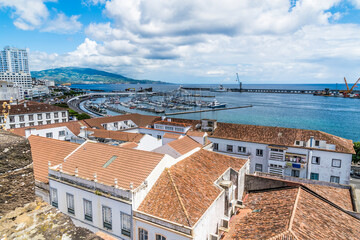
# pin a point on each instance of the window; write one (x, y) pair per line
(336, 163)
(62, 133)
(143, 234)
(335, 179)
(216, 146)
(63, 114)
(259, 152)
(48, 122)
(315, 160)
(64, 120)
(48, 116)
(56, 115)
(277, 150)
(88, 210)
(12, 119)
(56, 120)
(40, 123)
(104, 126)
(39, 116)
(229, 148)
(22, 124)
(314, 176)
(242, 149)
(295, 173)
(12, 126)
(179, 129)
(54, 197)
(125, 224)
(31, 124)
(160, 237)
(107, 217)
(70, 203)
(158, 136)
(169, 128)
(317, 143)
(49, 135)
(115, 124)
(297, 143)
(21, 118)
(258, 167)
(31, 117)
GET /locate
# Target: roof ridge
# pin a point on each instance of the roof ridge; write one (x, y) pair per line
(178, 196)
(294, 209)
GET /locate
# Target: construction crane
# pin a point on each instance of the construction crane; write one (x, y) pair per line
(238, 80)
(349, 90)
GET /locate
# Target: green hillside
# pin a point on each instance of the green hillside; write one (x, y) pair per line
(85, 75)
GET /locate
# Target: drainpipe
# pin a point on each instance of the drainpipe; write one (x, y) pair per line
(308, 168)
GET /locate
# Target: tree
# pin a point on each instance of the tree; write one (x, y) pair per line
(83, 116)
(356, 157)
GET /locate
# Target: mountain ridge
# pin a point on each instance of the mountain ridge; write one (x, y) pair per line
(78, 75)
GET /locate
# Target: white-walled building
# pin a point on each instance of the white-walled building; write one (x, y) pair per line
(9, 91)
(292, 152)
(30, 114)
(194, 199)
(99, 185)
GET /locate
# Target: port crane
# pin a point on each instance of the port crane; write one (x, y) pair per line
(349, 90)
(238, 80)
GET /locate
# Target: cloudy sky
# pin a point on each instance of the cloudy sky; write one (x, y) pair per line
(191, 41)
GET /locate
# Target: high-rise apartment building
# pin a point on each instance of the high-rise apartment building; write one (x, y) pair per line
(14, 60)
(14, 67)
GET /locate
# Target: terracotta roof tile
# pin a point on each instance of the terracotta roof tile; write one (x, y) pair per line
(172, 135)
(34, 107)
(74, 127)
(138, 119)
(129, 145)
(278, 136)
(44, 150)
(173, 123)
(195, 133)
(116, 135)
(184, 145)
(195, 194)
(291, 213)
(128, 165)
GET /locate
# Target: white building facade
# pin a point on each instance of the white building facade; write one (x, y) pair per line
(316, 162)
(8, 91)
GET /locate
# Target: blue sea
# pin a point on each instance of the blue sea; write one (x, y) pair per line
(338, 116)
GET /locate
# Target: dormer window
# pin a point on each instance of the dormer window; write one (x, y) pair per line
(297, 143)
(317, 143)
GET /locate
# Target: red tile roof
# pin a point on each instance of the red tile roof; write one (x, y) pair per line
(34, 107)
(128, 165)
(173, 123)
(129, 145)
(138, 119)
(74, 127)
(195, 133)
(291, 213)
(44, 150)
(278, 136)
(116, 135)
(184, 145)
(186, 190)
(172, 135)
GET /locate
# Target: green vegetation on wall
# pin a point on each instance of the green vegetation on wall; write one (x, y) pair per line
(356, 157)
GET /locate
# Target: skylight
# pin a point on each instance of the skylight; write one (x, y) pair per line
(109, 161)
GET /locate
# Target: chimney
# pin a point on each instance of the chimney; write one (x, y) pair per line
(95, 177)
(116, 183)
(163, 118)
(76, 172)
(131, 186)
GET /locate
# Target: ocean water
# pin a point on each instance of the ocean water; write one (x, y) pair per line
(338, 116)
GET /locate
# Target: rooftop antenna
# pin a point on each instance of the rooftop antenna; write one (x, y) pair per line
(238, 80)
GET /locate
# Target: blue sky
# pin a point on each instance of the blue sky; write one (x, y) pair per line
(191, 41)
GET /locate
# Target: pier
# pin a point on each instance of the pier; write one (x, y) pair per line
(207, 110)
(288, 91)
